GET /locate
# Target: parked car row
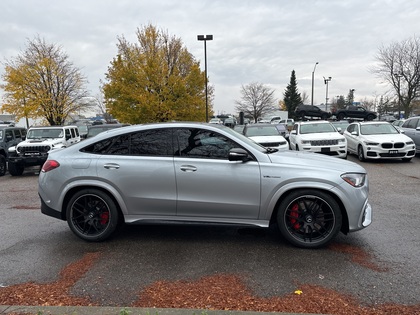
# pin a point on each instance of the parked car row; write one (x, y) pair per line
(366, 139)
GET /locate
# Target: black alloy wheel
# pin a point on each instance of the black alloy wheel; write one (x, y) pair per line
(309, 218)
(92, 215)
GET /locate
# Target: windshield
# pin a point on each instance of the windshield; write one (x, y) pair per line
(262, 131)
(316, 128)
(45, 133)
(378, 129)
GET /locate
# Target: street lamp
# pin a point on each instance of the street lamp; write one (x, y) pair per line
(326, 93)
(313, 72)
(205, 38)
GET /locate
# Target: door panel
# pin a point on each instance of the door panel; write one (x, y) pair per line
(217, 188)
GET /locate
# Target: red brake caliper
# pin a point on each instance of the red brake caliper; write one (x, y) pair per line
(294, 215)
(104, 218)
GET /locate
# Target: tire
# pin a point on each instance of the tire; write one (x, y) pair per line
(360, 154)
(2, 165)
(309, 218)
(92, 215)
(324, 117)
(302, 115)
(340, 116)
(370, 117)
(16, 169)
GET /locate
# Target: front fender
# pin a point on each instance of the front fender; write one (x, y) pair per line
(270, 208)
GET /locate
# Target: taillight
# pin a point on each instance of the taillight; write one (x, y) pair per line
(49, 165)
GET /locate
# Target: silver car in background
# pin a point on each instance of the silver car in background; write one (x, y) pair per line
(193, 172)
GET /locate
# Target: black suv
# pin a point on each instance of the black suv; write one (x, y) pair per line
(9, 137)
(311, 111)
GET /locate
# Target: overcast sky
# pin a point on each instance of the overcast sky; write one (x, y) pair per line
(253, 41)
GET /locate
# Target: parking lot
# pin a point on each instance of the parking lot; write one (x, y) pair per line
(375, 266)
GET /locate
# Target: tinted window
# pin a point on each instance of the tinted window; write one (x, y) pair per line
(411, 123)
(154, 142)
(17, 134)
(9, 135)
(199, 143)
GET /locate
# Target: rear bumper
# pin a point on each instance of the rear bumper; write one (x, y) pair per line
(45, 209)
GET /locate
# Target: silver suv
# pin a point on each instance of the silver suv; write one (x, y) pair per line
(209, 173)
(40, 141)
(411, 128)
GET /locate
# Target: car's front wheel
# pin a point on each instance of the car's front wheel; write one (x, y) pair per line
(2, 165)
(16, 169)
(92, 215)
(309, 218)
(360, 153)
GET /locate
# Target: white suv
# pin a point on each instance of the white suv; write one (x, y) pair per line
(319, 137)
(39, 142)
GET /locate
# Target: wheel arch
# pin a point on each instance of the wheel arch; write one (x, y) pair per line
(345, 220)
(76, 189)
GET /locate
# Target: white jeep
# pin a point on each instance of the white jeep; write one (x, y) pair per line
(39, 142)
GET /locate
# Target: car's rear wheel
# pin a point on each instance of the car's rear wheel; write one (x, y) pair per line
(309, 218)
(16, 169)
(360, 153)
(2, 165)
(340, 116)
(92, 215)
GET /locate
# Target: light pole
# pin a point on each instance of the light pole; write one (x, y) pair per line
(398, 76)
(313, 72)
(326, 93)
(205, 38)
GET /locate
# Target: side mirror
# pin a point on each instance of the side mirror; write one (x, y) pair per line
(238, 154)
(293, 132)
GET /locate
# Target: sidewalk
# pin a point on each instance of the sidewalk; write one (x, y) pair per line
(97, 310)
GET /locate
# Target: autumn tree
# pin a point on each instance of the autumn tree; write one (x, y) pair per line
(291, 95)
(155, 79)
(399, 66)
(41, 82)
(256, 101)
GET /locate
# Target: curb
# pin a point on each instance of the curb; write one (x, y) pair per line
(98, 310)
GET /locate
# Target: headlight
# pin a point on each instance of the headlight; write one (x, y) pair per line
(341, 140)
(354, 179)
(306, 142)
(371, 143)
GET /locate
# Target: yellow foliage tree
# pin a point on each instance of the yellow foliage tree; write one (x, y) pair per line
(42, 83)
(154, 80)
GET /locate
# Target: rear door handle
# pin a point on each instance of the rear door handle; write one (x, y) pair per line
(110, 166)
(188, 168)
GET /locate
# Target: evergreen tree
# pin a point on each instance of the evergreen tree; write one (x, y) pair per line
(292, 97)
